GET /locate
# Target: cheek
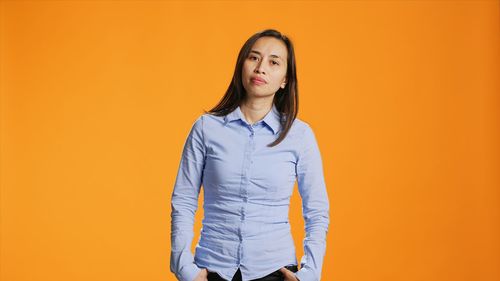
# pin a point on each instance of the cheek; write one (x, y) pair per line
(279, 75)
(245, 72)
(278, 79)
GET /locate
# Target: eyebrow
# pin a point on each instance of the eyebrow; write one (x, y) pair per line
(257, 52)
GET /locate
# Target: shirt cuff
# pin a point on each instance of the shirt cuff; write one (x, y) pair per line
(305, 275)
(189, 272)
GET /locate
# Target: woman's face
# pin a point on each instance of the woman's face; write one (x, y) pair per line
(267, 61)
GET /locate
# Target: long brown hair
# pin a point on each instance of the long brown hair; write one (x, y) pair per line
(286, 99)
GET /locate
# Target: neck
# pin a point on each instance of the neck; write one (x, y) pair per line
(254, 110)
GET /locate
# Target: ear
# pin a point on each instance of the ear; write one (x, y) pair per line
(283, 83)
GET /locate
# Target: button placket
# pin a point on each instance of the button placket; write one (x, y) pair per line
(246, 180)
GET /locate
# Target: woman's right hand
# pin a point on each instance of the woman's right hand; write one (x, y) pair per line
(202, 276)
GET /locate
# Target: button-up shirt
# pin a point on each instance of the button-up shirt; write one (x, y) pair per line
(247, 189)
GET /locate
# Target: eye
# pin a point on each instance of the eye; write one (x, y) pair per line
(275, 62)
(252, 57)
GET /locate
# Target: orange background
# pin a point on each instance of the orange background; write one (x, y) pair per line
(97, 99)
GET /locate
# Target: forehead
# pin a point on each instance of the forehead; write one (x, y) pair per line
(270, 46)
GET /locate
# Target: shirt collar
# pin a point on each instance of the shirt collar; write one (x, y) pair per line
(272, 118)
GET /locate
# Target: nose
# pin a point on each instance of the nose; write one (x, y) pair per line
(259, 68)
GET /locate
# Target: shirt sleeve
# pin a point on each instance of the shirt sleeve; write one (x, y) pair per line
(315, 207)
(185, 203)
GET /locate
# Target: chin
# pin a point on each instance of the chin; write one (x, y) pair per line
(260, 95)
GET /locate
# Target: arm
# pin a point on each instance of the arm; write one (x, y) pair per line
(315, 207)
(185, 203)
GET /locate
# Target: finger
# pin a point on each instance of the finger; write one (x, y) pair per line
(286, 273)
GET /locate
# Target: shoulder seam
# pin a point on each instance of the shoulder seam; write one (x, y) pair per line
(203, 134)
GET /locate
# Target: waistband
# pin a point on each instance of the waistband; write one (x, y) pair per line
(292, 268)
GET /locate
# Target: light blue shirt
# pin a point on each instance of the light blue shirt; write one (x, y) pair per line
(247, 190)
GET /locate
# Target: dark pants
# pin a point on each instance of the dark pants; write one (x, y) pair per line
(275, 276)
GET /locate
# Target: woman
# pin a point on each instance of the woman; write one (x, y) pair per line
(247, 153)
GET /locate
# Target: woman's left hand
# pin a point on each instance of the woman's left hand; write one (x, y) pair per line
(288, 274)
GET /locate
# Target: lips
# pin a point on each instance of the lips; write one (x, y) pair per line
(258, 80)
